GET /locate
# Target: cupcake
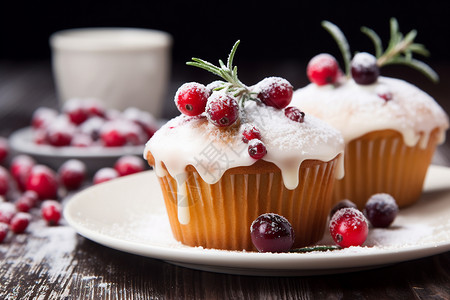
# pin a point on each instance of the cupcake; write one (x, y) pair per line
(237, 152)
(391, 128)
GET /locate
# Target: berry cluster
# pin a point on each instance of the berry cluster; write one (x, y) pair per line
(85, 122)
(220, 101)
(27, 186)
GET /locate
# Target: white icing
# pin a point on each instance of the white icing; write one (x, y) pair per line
(358, 109)
(211, 150)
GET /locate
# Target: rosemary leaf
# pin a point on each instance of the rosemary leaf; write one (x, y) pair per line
(418, 65)
(376, 40)
(342, 42)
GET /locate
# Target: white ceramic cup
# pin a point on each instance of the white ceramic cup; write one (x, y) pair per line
(121, 67)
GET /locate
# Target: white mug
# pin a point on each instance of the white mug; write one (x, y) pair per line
(121, 67)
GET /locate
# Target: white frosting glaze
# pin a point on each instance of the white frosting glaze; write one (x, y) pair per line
(358, 109)
(211, 150)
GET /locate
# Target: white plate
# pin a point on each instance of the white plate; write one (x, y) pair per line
(95, 157)
(128, 214)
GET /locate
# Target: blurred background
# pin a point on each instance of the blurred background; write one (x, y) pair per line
(276, 36)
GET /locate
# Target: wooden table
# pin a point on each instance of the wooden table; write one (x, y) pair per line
(56, 263)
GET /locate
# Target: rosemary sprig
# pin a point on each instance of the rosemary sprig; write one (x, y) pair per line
(315, 248)
(342, 43)
(229, 73)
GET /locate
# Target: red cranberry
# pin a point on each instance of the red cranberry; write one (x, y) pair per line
(256, 149)
(250, 132)
(40, 136)
(323, 69)
(60, 133)
(364, 68)
(111, 135)
(143, 119)
(4, 228)
(214, 85)
(342, 204)
(294, 114)
(129, 164)
(381, 210)
(7, 212)
(26, 201)
(51, 211)
(275, 91)
(4, 181)
(191, 98)
(348, 227)
(20, 169)
(94, 108)
(81, 140)
(272, 233)
(43, 181)
(4, 149)
(72, 174)
(20, 222)
(222, 110)
(105, 174)
(92, 127)
(42, 117)
(76, 110)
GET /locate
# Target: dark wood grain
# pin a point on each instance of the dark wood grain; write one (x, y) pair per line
(56, 263)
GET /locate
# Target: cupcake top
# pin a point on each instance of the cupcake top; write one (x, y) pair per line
(356, 109)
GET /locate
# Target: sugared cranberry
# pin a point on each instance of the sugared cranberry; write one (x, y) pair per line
(72, 174)
(272, 233)
(342, 204)
(105, 174)
(111, 135)
(40, 136)
(20, 222)
(7, 212)
(4, 228)
(250, 132)
(222, 110)
(26, 201)
(129, 164)
(214, 85)
(364, 68)
(76, 110)
(43, 181)
(348, 227)
(82, 140)
(92, 127)
(294, 114)
(42, 117)
(51, 211)
(256, 149)
(323, 69)
(143, 119)
(4, 181)
(4, 149)
(61, 132)
(20, 169)
(94, 107)
(381, 210)
(191, 98)
(275, 91)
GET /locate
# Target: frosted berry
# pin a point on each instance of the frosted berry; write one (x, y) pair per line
(4, 181)
(20, 169)
(294, 114)
(112, 135)
(72, 174)
(20, 222)
(7, 212)
(250, 132)
(256, 149)
(129, 164)
(342, 204)
(348, 227)
(214, 85)
(143, 119)
(26, 201)
(323, 69)
(364, 68)
(94, 108)
(76, 110)
(42, 117)
(81, 140)
(272, 233)
(191, 98)
(4, 228)
(105, 174)
(61, 132)
(43, 181)
(4, 149)
(275, 91)
(381, 210)
(222, 109)
(92, 127)
(51, 211)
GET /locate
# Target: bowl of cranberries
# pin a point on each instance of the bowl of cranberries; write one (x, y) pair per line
(84, 130)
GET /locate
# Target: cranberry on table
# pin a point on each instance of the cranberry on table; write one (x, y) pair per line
(105, 174)
(76, 110)
(348, 227)
(26, 201)
(272, 233)
(381, 210)
(51, 211)
(191, 98)
(129, 164)
(72, 174)
(342, 204)
(250, 132)
(20, 222)
(7, 212)
(4, 149)
(275, 91)
(364, 68)
(323, 69)
(43, 181)
(256, 149)
(222, 110)
(20, 169)
(294, 114)
(4, 181)
(4, 229)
